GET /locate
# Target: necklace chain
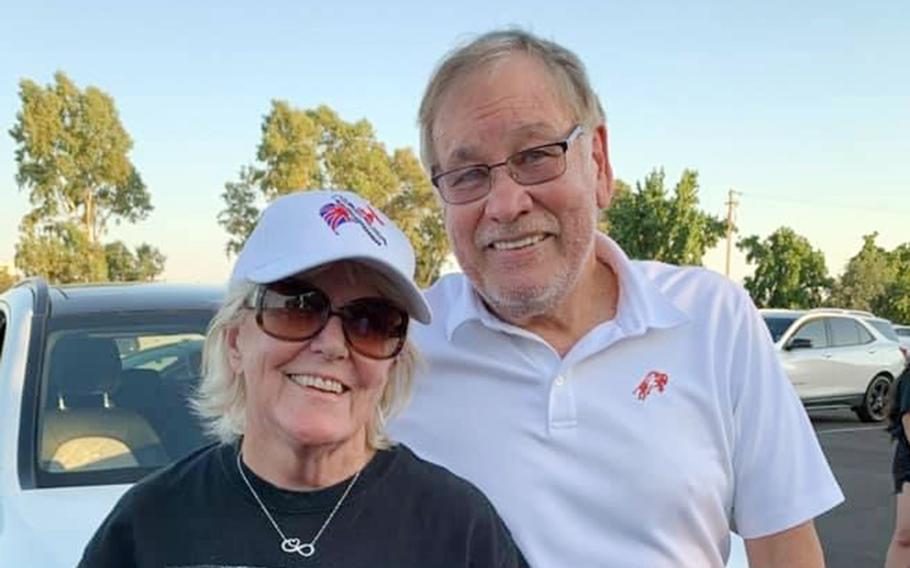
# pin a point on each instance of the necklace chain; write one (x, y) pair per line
(295, 545)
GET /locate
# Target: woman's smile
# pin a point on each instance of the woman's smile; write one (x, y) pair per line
(319, 383)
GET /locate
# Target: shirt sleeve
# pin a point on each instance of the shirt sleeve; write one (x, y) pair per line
(781, 476)
(496, 548)
(112, 546)
(490, 542)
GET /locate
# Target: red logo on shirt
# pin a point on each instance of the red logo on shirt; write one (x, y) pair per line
(654, 380)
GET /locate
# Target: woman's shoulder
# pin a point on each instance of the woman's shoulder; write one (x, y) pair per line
(450, 511)
(426, 479)
(173, 481)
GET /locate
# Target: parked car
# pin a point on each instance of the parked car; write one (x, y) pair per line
(93, 388)
(838, 357)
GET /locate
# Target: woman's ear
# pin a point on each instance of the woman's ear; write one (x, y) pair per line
(235, 356)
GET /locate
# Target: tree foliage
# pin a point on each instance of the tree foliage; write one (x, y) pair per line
(789, 273)
(60, 252)
(72, 155)
(306, 149)
(125, 266)
(894, 303)
(416, 210)
(6, 279)
(865, 278)
(876, 280)
(649, 223)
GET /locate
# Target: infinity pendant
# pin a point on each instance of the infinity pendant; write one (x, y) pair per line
(293, 546)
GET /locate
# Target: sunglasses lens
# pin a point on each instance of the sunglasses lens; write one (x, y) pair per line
(374, 327)
(293, 313)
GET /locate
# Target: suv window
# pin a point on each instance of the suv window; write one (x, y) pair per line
(815, 332)
(777, 326)
(115, 394)
(904, 331)
(884, 327)
(846, 332)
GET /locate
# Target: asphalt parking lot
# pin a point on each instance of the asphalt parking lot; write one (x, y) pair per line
(856, 533)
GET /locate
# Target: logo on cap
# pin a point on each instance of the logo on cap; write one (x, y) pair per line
(335, 215)
(369, 215)
(341, 210)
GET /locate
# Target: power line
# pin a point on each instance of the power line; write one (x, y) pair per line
(819, 203)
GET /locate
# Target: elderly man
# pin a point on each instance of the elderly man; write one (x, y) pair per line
(617, 412)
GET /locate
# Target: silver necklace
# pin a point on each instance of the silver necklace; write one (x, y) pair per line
(295, 545)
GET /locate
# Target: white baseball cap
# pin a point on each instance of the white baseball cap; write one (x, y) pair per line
(304, 230)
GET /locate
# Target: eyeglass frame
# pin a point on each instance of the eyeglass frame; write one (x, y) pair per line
(576, 132)
(256, 303)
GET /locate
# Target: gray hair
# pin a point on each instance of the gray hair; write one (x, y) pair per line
(220, 399)
(565, 68)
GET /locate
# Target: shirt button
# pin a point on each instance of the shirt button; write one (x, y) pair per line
(560, 380)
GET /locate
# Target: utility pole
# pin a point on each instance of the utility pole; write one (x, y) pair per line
(731, 206)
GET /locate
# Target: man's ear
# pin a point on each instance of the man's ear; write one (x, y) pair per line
(234, 356)
(601, 155)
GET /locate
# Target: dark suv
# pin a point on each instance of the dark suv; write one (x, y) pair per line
(94, 383)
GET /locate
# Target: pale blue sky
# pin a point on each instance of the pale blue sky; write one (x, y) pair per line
(802, 106)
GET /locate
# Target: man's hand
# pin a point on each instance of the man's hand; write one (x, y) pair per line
(794, 548)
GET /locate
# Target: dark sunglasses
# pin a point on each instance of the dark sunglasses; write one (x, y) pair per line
(292, 310)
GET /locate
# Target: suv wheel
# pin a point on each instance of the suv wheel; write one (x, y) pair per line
(875, 401)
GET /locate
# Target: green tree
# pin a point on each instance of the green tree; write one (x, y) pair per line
(648, 223)
(315, 148)
(416, 210)
(894, 304)
(876, 280)
(72, 155)
(6, 279)
(241, 212)
(894, 301)
(125, 266)
(789, 273)
(60, 252)
(866, 277)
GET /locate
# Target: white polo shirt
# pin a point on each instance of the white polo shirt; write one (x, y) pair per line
(659, 432)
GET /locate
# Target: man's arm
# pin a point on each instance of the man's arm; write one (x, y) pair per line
(797, 547)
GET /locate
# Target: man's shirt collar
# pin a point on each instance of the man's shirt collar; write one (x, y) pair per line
(641, 303)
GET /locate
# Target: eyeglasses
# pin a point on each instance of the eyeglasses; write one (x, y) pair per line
(531, 166)
(291, 310)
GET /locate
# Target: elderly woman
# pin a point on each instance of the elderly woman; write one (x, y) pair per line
(303, 364)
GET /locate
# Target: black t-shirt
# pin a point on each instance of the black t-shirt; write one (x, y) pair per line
(403, 512)
(900, 406)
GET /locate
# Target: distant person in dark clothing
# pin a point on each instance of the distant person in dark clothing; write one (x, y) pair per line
(304, 474)
(899, 427)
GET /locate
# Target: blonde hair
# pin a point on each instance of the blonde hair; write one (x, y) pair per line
(220, 399)
(564, 67)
